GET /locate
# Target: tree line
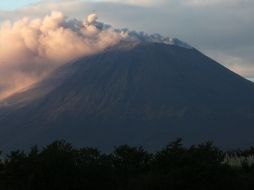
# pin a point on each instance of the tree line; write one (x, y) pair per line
(60, 166)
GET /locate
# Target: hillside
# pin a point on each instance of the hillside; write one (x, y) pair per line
(147, 94)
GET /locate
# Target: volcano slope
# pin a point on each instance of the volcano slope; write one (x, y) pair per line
(148, 94)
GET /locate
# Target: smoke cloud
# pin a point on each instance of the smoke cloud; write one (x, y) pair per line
(32, 48)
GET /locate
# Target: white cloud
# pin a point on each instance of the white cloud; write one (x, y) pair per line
(196, 3)
(32, 47)
(136, 2)
(227, 3)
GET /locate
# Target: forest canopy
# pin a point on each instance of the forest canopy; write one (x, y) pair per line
(61, 166)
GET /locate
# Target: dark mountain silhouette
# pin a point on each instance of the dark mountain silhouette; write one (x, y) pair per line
(146, 95)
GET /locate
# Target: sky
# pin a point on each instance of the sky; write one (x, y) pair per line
(14, 4)
(222, 29)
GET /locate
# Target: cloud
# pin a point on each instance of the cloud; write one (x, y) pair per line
(209, 3)
(145, 3)
(31, 48)
(189, 3)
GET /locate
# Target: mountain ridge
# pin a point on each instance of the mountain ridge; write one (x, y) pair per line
(144, 95)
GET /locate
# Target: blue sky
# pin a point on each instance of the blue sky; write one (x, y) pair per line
(14, 4)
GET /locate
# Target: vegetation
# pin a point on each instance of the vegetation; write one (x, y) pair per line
(60, 166)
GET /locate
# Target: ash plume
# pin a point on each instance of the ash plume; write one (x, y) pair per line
(32, 48)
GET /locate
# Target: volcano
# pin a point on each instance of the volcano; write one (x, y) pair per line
(140, 94)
